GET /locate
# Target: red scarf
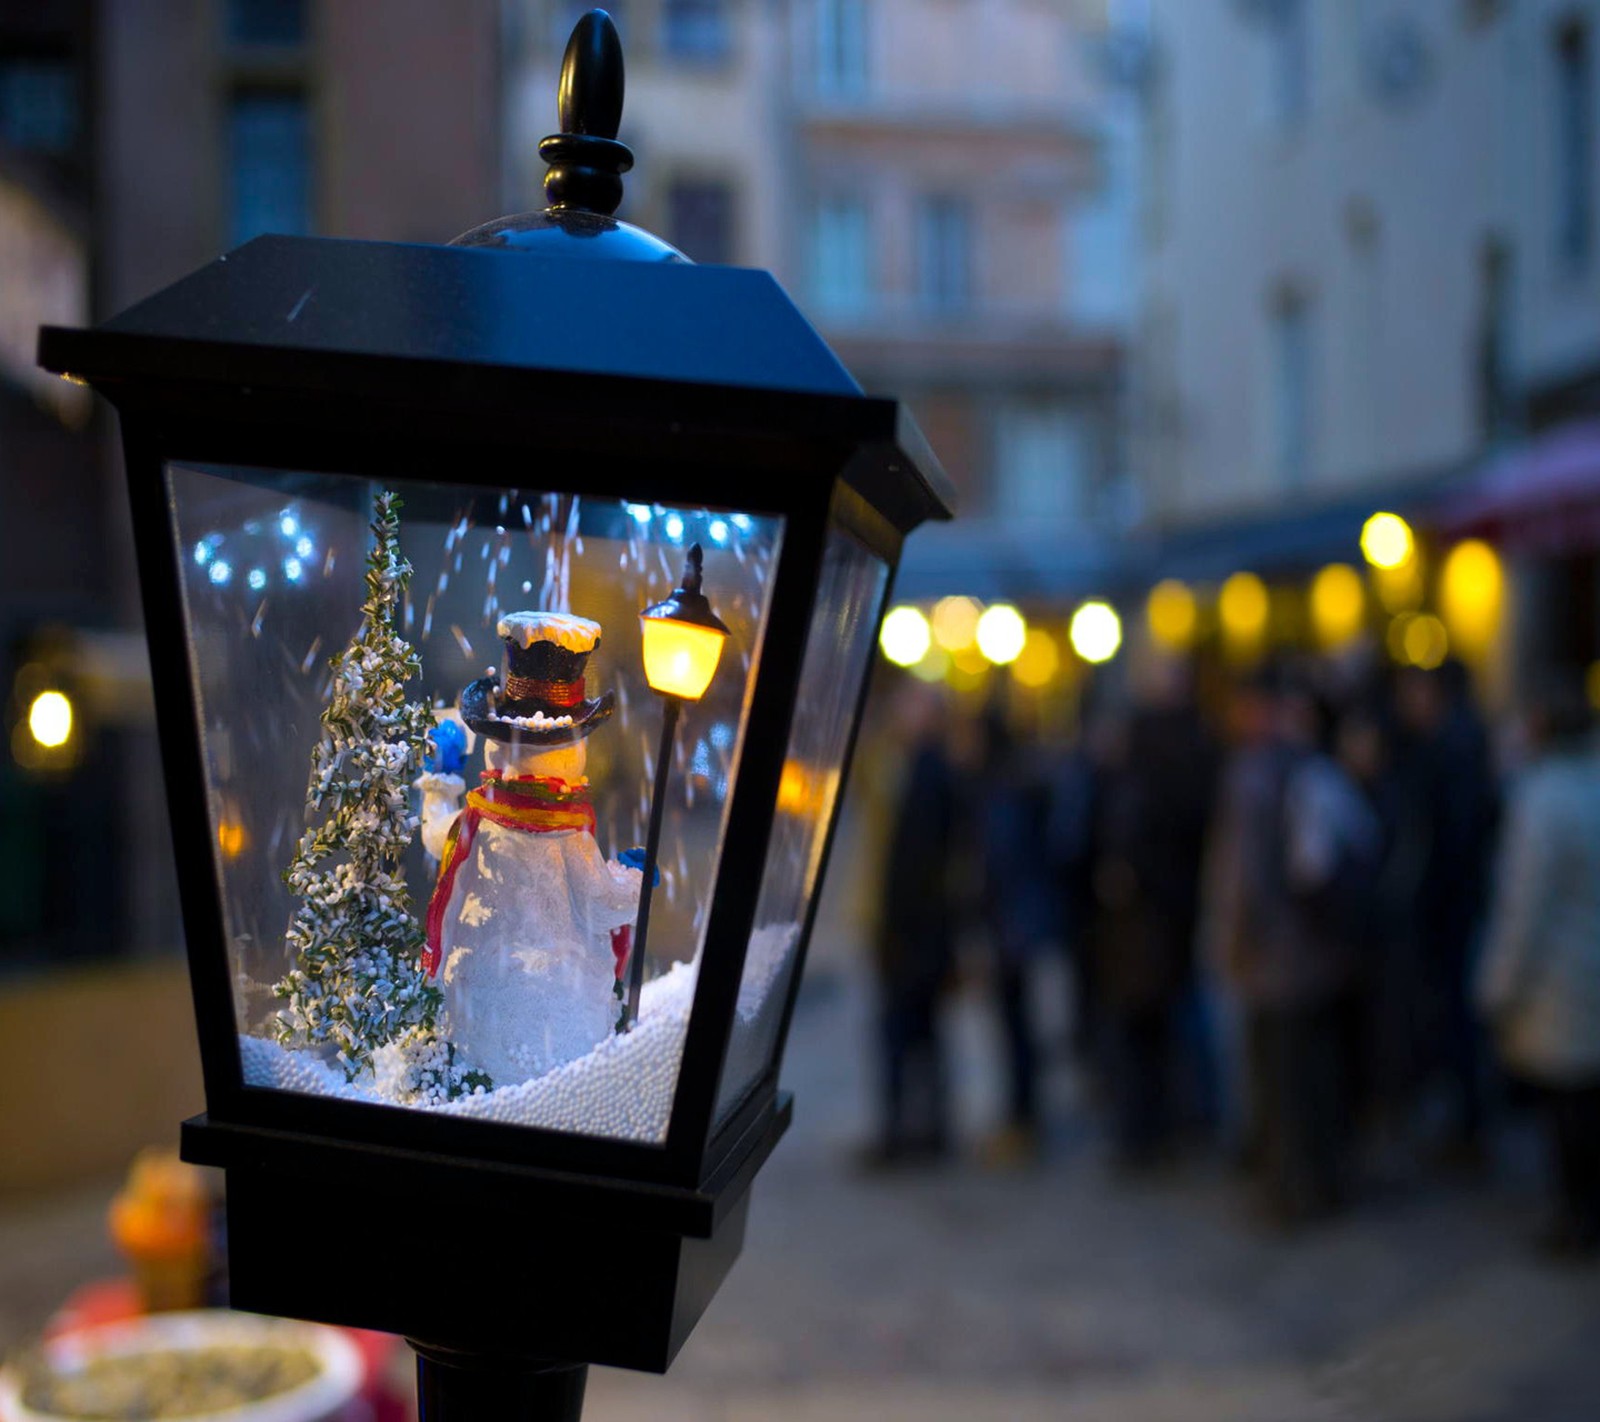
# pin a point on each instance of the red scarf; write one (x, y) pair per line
(534, 805)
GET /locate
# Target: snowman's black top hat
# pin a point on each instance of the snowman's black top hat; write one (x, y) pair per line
(541, 701)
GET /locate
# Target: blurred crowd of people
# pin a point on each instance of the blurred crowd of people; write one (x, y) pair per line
(1326, 918)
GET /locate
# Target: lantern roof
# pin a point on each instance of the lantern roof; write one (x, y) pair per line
(485, 332)
(644, 320)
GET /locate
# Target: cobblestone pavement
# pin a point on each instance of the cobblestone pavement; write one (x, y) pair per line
(1053, 1292)
(1057, 1292)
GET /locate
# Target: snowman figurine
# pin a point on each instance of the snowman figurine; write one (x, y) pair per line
(528, 924)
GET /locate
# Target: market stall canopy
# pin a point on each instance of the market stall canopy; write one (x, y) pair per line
(1541, 497)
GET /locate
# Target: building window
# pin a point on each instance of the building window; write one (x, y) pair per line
(700, 219)
(1291, 390)
(696, 29)
(269, 138)
(1041, 460)
(841, 46)
(39, 105)
(841, 257)
(269, 23)
(944, 254)
(1575, 101)
(1288, 35)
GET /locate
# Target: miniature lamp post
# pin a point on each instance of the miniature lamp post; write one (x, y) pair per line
(683, 640)
(358, 472)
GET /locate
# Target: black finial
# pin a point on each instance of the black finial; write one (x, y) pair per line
(688, 603)
(586, 161)
(693, 569)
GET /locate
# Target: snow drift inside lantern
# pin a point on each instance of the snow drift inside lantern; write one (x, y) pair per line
(622, 1088)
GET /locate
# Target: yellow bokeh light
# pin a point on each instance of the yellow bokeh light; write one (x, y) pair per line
(1243, 606)
(1096, 631)
(955, 622)
(50, 719)
(1171, 615)
(1591, 685)
(905, 636)
(1338, 604)
(1002, 633)
(970, 660)
(1039, 660)
(1418, 639)
(1386, 541)
(680, 658)
(1472, 596)
(231, 838)
(933, 666)
(1400, 589)
(1426, 643)
(802, 790)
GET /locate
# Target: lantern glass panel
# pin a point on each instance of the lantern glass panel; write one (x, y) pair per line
(516, 1021)
(838, 656)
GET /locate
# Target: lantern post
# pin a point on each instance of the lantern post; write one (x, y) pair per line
(683, 640)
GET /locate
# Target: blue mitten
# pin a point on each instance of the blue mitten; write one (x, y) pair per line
(448, 749)
(634, 859)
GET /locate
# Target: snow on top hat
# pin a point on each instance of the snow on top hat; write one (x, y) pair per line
(541, 701)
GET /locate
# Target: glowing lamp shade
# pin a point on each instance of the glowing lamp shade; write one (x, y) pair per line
(680, 658)
(683, 637)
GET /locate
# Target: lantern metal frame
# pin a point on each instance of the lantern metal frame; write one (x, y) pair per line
(642, 382)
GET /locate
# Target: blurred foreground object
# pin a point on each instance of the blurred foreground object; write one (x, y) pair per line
(1538, 982)
(199, 1366)
(160, 1222)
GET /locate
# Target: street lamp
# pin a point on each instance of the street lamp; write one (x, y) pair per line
(439, 458)
(683, 640)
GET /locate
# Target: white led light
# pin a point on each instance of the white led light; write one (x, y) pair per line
(221, 571)
(904, 637)
(1001, 633)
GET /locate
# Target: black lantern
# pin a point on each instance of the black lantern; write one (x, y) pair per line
(396, 507)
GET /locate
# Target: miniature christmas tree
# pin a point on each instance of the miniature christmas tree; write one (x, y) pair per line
(357, 983)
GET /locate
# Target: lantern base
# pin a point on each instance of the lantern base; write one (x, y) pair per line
(479, 1261)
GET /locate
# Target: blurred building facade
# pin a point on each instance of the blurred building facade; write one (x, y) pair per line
(1370, 283)
(946, 189)
(138, 139)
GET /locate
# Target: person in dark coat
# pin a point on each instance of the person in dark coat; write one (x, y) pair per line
(1538, 982)
(1453, 791)
(913, 943)
(1286, 883)
(1148, 846)
(1019, 916)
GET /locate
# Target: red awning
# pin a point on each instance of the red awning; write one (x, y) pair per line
(1542, 496)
